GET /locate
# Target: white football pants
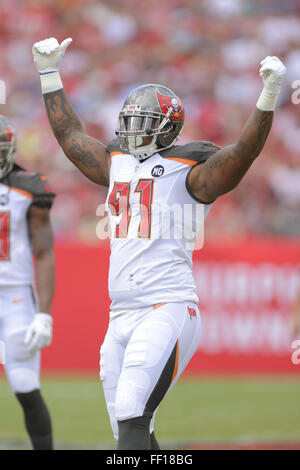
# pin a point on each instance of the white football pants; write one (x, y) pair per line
(17, 309)
(144, 352)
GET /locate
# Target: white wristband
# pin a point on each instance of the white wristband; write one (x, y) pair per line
(45, 316)
(267, 100)
(50, 81)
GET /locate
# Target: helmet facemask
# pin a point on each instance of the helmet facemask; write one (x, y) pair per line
(143, 131)
(7, 152)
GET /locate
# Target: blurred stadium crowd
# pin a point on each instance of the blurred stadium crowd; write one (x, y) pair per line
(207, 51)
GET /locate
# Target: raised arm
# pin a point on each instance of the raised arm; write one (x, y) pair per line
(87, 153)
(224, 170)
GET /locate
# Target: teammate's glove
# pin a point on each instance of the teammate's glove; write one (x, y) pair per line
(39, 332)
(272, 72)
(46, 55)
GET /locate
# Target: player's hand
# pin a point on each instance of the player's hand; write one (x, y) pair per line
(48, 53)
(272, 72)
(39, 332)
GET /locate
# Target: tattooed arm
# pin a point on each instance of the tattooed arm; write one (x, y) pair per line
(87, 153)
(224, 170)
(41, 237)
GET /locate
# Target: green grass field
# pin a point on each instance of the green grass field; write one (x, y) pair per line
(207, 410)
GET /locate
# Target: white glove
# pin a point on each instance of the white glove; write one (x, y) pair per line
(272, 72)
(39, 332)
(46, 55)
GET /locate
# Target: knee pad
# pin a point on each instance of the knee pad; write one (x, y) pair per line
(131, 394)
(23, 380)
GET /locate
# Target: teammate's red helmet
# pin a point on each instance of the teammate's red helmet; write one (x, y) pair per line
(7, 146)
(150, 111)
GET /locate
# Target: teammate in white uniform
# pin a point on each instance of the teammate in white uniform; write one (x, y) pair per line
(155, 325)
(25, 320)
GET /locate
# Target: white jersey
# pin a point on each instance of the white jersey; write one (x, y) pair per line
(18, 191)
(154, 223)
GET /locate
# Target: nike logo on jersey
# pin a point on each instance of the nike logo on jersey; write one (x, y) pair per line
(158, 305)
(16, 301)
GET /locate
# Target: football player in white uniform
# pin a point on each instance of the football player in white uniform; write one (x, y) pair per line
(25, 320)
(155, 325)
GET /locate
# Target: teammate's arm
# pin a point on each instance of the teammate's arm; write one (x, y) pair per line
(39, 332)
(225, 169)
(87, 153)
(41, 237)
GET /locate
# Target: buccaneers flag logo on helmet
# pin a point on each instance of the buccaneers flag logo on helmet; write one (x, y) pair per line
(170, 102)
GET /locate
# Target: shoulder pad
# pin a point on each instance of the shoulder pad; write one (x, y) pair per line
(35, 184)
(114, 146)
(191, 153)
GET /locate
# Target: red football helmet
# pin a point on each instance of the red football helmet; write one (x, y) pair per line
(151, 119)
(7, 146)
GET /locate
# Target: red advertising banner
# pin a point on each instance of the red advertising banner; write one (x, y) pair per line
(246, 293)
(246, 290)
